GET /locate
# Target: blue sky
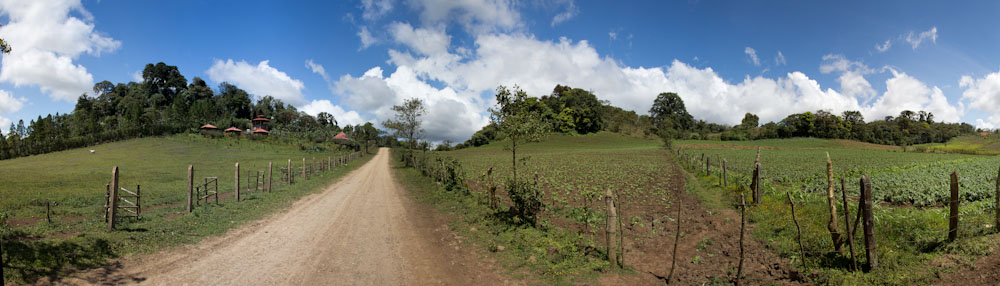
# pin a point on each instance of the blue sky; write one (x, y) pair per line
(355, 59)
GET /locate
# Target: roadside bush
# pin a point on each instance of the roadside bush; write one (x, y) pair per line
(527, 199)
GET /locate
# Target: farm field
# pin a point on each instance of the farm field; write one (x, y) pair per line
(73, 182)
(910, 191)
(574, 172)
(988, 144)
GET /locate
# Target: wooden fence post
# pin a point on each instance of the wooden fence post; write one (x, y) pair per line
(107, 200)
(237, 191)
(702, 160)
(755, 183)
(798, 230)
(708, 165)
(190, 204)
(270, 174)
(953, 217)
(612, 222)
(832, 201)
(677, 238)
(996, 197)
(304, 174)
(289, 173)
(725, 178)
(868, 222)
(847, 225)
(113, 208)
(743, 207)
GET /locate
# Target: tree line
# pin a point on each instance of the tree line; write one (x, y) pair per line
(577, 111)
(163, 103)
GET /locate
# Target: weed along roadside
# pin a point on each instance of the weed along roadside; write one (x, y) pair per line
(200, 202)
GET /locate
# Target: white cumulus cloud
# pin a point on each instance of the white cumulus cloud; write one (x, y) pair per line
(9, 103)
(367, 40)
(752, 54)
(780, 60)
(570, 12)
(476, 16)
(374, 9)
(915, 39)
(46, 41)
(983, 94)
(259, 80)
(884, 46)
(342, 116)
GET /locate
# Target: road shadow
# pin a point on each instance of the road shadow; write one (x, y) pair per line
(31, 260)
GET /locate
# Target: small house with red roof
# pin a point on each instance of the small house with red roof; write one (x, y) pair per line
(209, 130)
(260, 122)
(260, 131)
(341, 136)
(233, 130)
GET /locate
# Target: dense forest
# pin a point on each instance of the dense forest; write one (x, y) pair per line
(164, 103)
(577, 111)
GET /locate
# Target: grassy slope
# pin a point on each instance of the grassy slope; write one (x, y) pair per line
(912, 247)
(967, 144)
(75, 179)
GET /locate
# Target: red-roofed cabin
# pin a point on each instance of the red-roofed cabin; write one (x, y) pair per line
(985, 133)
(233, 130)
(209, 130)
(262, 132)
(260, 123)
(341, 136)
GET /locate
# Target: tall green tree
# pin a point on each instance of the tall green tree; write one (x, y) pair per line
(407, 121)
(163, 79)
(513, 120)
(668, 112)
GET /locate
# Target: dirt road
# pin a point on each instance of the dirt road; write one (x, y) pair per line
(362, 230)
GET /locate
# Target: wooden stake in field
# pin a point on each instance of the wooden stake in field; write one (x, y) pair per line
(237, 190)
(868, 222)
(304, 175)
(996, 196)
(270, 173)
(612, 223)
(113, 208)
(798, 230)
(953, 217)
(190, 204)
(755, 183)
(289, 172)
(708, 165)
(725, 178)
(677, 238)
(847, 226)
(743, 207)
(835, 234)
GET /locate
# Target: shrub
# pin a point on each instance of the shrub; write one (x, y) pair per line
(527, 199)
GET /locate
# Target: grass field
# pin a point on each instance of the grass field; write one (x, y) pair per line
(573, 172)
(967, 144)
(74, 181)
(911, 227)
